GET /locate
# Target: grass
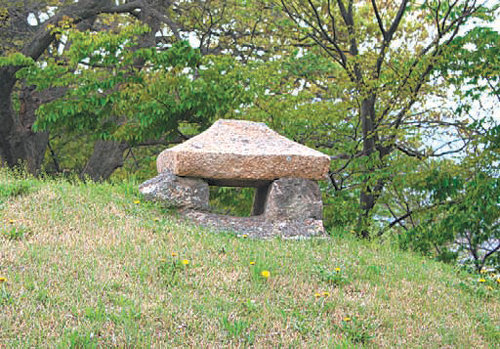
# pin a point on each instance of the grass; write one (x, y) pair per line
(96, 269)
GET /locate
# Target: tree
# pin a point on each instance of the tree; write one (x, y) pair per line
(385, 58)
(452, 208)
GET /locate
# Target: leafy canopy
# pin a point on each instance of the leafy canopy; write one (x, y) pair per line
(120, 91)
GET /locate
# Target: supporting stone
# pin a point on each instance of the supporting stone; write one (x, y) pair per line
(293, 199)
(259, 200)
(175, 191)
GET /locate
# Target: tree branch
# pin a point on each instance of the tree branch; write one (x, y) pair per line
(379, 20)
(79, 12)
(410, 212)
(389, 34)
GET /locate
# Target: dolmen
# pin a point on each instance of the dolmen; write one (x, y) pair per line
(236, 153)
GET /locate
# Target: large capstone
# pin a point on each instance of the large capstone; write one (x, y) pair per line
(242, 153)
(177, 191)
(293, 199)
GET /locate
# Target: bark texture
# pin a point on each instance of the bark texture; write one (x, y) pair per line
(107, 157)
(19, 144)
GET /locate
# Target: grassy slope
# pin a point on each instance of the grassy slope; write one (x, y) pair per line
(86, 265)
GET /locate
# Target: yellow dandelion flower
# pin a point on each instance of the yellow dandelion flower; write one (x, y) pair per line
(265, 273)
(244, 236)
(137, 201)
(185, 261)
(317, 295)
(156, 219)
(174, 254)
(325, 294)
(498, 280)
(482, 280)
(2, 279)
(11, 221)
(252, 263)
(347, 319)
(337, 269)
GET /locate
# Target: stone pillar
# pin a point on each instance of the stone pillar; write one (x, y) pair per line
(259, 200)
(293, 199)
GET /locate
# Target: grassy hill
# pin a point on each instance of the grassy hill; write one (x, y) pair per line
(93, 265)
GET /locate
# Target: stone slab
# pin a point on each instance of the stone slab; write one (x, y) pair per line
(256, 226)
(239, 151)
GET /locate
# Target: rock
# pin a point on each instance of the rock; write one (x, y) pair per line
(293, 199)
(242, 153)
(177, 191)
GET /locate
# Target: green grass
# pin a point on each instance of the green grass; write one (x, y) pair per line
(95, 269)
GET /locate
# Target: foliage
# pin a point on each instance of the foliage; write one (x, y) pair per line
(458, 214)
(5, 296)
(170, 270)
(473, 65)
(13, 231)
(16, 59)
(358, 331)
(14, 189)
(334, 277)
(232, 201)
(235, 328)
(120, 92)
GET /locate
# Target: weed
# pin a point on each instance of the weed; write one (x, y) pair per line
(11, 231)
(42, 296)
(170, 270)
(77, 339)
(258, 272)
(96, 313)
(234, 328)
(250, 306)
(14, 189)
(488, 327)
(5, 296)
(373, 270)
(356, 330)
(335, 277)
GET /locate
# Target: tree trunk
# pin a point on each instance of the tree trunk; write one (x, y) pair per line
(32, 145)
(6, 116)
(107, 157)
(368, 194)
(19, 145)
